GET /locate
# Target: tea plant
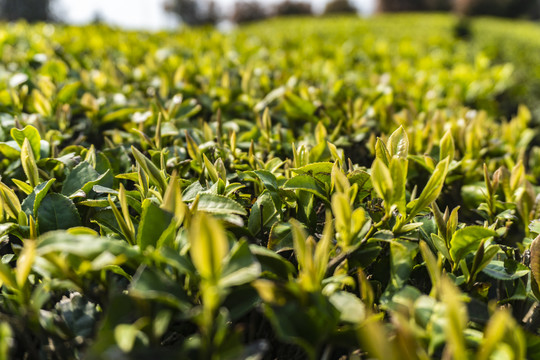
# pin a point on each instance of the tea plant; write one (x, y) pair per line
(338, 188)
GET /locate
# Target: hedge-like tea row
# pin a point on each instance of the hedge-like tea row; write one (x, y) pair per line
(337, 188)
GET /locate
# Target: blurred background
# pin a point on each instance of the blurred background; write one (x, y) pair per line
(169, 14)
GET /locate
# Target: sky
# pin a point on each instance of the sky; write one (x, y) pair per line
(147, 14)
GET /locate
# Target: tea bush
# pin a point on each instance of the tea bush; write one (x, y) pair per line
(331, 188)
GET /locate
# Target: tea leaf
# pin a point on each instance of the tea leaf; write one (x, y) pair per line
(467, 240)
(154, 221)
(398, 144)
(57, 212)
(208, 247)
(34, 139)
(29, 164)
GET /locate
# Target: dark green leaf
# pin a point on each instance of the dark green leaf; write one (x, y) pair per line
(57, 212)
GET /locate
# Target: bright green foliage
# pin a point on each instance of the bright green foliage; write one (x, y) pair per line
(338, 188)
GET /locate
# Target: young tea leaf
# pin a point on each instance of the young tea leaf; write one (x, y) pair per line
(467, 240)
(209, 247)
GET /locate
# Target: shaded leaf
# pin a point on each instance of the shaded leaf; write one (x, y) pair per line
(57, 212)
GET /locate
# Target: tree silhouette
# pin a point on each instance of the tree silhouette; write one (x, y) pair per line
(248, 11)
(194, 12)
(506, 8)
(289, 7)
(29, 10)
(339, 7)
(401, 5)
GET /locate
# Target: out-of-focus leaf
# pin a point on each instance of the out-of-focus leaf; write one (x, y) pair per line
(150, 284)
(497, 270)
(6, 335)
(350, 307)
(25, 262)
(272, 262)
(242, 267)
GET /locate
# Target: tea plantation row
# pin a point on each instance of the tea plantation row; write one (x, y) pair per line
(337, 188)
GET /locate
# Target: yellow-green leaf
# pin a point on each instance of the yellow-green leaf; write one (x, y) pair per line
(209, 246)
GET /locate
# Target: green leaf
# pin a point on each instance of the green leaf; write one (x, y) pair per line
(306, 183)
(11, 203)
(82, 177)
(535, 266)
(241, 266)
(127, 228)
(264, 210)
(57, 212)
(150, 169)
(382, 182)
(6, 336)
(28, 163)
(447, 147)
(125, 336)
(280, 237)
(497, 270)
(25, 262)
(80, 315)
(273, 263)
(154, 221)
(431, 190)
(221, 205)
(351, 308)
(268, 179)
(456, 317)
(339, 181)
(211, 169)
(180, 262)
(122, 114)
(401, 265)
(154, 285)
(381, 152)
(502, 330)
(320, 170)
(32, 201)
(489, 253)
(7, 276)
(534, 226)
(24, 187)
(10, 150)
(466, 240)
(398, 171)
(270, 182)
(84, 246)
(341, 209)
(209, 247)
(66, 94)
(398, 143)
(32, 134)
